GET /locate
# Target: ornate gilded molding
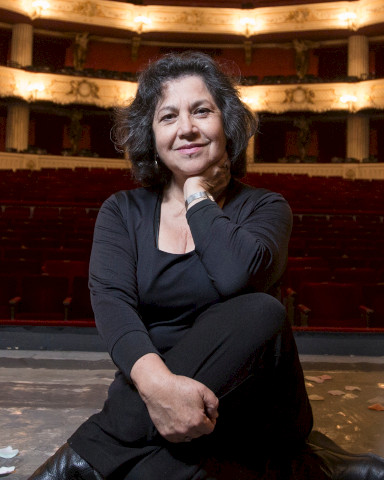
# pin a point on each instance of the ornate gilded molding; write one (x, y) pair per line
(88, 9)
(82, 89)
(64, 89)
(299, 15)
(105, 93)
(16, 161)
(316, 98)
(154, 18)
(299, 95)
(362, 171)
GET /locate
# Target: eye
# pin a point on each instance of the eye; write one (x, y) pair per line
(168, 117)
(202, 111)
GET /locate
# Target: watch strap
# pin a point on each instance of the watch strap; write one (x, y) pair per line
(196, 196)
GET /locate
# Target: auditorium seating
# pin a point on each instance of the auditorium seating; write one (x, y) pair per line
(41, 297)
(331, 304)
(47, 219)
(8, 291)
(80, 305)
(373, 295)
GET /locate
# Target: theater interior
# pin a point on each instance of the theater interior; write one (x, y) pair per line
(314, 73)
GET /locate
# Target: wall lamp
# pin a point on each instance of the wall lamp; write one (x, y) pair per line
(349, 18)
(248, 24)
(141, 20)
(38, 7)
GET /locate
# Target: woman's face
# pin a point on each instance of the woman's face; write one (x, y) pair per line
(188, 127)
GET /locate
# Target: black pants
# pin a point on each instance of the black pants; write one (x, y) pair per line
(244, 351)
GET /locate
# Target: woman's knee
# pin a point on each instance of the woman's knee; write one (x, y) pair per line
(255, 311)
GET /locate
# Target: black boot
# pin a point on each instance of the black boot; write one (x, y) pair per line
(338, 464)
(321, 459)
(65, 464)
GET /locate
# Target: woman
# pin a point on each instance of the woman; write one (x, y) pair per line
(182, 273)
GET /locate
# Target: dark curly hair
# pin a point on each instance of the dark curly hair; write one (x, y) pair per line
(132, 132)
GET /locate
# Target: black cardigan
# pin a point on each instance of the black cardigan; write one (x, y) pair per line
(144, 299)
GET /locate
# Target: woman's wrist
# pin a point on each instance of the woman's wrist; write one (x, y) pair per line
(147, 372)
(197, 197)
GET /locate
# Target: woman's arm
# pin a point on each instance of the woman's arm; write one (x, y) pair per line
(251, 252)
(180, 407)
(113, 286)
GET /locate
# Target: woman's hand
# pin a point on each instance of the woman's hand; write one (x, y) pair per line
(213, 180)
(181, 408)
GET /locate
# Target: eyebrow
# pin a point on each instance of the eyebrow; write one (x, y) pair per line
(195, 104)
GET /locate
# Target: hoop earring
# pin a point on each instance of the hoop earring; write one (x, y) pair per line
(156, 161)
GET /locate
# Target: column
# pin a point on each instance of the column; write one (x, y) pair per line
(251, 150)
(358, 56)
(16, 136)
(357, 136)
(22, 44)
(18, 112)
(358, 125)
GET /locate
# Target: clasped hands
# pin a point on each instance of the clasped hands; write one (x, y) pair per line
(180, 407)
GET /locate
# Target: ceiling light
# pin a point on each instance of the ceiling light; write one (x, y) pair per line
(347, 16)
(143, 20)
(348, 98)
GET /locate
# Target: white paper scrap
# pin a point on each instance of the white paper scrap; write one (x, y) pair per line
(8, 452)
(6, 470)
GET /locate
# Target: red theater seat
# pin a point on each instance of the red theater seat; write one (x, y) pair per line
(354, 275)
(20, 267)
(295, 262)
(296, 276)
(42, 297)
(65, 254)
(66, 268)
(46, 213)
(80, 307)
(8, 290)
(17, 213)
(292, 281)
(331, 304)
(373, 298)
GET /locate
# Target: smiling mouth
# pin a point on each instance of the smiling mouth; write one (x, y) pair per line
(192, 148)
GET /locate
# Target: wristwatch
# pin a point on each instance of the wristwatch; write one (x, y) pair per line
(197, 195)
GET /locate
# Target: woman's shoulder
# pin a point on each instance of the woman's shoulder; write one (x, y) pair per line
(130, 203)
(255, 195)
(133, 197)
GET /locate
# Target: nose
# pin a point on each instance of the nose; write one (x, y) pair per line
(186, 125)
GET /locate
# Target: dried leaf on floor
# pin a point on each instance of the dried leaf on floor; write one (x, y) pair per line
(377, 406)
(352, 388)
(336, 392)
(350, 396)
(315, 397)
(325, 377)
(314, 379)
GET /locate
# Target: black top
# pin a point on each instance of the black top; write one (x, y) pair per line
(144, 298)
